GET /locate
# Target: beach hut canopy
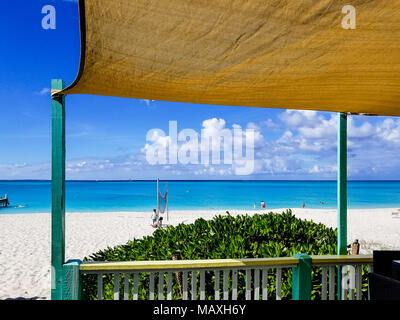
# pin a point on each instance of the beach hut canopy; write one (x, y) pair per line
(295, 54)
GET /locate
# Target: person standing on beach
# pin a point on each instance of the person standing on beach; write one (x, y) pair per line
(154, 218)
(262, 205)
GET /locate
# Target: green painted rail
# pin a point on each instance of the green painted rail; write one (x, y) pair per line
(256, 271)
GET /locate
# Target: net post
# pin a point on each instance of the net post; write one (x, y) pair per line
(158, 196)
(167, 202)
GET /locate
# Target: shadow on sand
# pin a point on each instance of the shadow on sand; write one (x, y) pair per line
(27, 298)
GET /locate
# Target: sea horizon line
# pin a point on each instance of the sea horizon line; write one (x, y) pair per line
(197, 180)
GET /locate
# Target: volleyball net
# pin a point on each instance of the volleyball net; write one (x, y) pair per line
(162, 200)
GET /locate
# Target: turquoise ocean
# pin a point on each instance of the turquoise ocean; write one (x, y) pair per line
(96, 196)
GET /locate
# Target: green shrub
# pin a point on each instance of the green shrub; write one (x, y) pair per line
(225, 236)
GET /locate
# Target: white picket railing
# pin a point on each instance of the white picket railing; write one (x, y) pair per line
(351, 275)
(192, 275)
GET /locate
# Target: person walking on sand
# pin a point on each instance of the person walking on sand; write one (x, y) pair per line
(154, 218)
(262, 205)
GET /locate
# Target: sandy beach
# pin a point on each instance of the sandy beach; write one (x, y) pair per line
(25, 239)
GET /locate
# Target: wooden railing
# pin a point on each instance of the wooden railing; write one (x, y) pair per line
(259, 277)
(351, 275)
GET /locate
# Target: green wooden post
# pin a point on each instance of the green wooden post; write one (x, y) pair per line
(342, 192)
(57, 189)
(301, 278)
(71, 287)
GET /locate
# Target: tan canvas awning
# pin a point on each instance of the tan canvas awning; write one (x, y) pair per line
(261, 53)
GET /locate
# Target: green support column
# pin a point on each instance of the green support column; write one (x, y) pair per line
(71, 288)
(342, 191)
(301, 278)
(57, 189)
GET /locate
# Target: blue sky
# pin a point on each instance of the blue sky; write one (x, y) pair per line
(106, 136)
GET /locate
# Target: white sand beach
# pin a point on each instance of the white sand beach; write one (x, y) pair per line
(25, 239)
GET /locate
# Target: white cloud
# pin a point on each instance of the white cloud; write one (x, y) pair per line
(296, 118)
(79, 166)
(321, 129)
(389, 131)
(363, 131)
(269, 124)
(316, 169)
(287, 137)
(43, 92)
(303, 146)
(308, 144)
(25, 170)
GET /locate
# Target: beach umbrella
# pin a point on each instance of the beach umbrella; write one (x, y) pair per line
(326, 55)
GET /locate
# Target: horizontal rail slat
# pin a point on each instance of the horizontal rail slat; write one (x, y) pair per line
(151, 266)
(187, 264)
(342, 259)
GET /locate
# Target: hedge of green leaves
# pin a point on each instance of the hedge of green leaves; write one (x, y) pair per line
(225, 236)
